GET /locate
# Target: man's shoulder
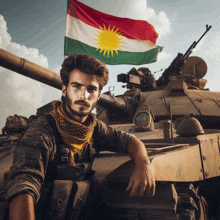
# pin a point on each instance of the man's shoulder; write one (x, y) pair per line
(100, 125)
(103, 128)
(108, 129)
(39, 125)
(40, 121)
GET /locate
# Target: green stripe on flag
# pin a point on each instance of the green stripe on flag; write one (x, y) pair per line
(123, 57)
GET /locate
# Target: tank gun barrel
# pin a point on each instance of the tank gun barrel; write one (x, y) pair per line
(122, 108)
(109, 101)
(29, 69)
(189, 51)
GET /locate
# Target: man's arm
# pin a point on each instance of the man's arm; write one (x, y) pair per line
(22, 208)
(142, 179)
(27, 173)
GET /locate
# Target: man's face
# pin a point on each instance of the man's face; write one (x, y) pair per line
(81, 95)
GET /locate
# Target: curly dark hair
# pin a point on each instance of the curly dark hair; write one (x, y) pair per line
(87, 64)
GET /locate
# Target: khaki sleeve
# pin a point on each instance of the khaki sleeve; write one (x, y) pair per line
(107, 138)
(31, 157)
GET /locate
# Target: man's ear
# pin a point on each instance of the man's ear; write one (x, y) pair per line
(63, 90)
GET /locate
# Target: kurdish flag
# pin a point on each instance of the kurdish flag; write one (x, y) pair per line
(111, 39)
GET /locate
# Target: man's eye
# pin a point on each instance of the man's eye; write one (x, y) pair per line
(92, 90)
(77, 86)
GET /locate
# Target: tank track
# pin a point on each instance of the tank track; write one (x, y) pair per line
(169, 203)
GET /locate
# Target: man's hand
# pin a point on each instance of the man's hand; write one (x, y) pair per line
(142, 180)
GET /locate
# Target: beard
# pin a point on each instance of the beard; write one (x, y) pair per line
(68, 103)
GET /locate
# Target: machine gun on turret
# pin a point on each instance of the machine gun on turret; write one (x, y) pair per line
(175, 67)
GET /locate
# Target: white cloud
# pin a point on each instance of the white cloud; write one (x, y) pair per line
(19, 94)
(26, 91)
(163, 55)
(160, 21)
(5, 38)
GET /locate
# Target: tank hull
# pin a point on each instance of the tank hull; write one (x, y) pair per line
(180, 170)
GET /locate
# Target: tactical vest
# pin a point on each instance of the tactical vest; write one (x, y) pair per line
(66, 187)
(59, 168)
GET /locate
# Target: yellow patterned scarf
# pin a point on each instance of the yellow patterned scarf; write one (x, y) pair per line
(74, 134)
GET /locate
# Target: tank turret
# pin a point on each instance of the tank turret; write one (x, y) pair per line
(181, 84)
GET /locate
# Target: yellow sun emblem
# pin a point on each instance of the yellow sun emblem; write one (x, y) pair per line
(108, 40)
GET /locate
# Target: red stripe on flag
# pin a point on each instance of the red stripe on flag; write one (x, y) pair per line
(132, 29)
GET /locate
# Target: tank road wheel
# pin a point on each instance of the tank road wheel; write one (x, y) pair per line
(190, 205)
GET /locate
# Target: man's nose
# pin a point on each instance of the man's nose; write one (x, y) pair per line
(84, 94)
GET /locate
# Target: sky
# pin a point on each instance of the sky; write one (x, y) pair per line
(35, 30)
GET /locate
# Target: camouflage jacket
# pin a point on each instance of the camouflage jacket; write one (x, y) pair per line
(36, 153)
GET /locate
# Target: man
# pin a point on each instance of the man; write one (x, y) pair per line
(37, 152)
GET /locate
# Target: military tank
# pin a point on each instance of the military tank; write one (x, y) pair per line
(178, 121)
